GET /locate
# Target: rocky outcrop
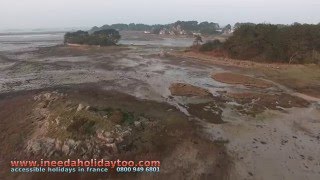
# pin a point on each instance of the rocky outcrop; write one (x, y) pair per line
(57, 136)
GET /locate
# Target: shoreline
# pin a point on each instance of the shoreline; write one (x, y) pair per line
(233, 62)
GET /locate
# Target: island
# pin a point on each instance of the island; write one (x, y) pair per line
(106, 37)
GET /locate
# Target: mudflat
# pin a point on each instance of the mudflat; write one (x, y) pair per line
(146, 99)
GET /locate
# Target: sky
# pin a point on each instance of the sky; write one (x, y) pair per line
(32, 14)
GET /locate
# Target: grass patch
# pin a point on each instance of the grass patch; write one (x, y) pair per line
(81, 127)
(103, 112)
(128, 117)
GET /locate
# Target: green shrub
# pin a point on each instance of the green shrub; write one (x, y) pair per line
(291, 44)
(127, 117)
(81, 127)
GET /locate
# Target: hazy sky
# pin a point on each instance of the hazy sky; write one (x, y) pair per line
(80, 13)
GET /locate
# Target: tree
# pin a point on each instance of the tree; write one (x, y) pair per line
(197, 40)
(238, 25)
(102, 37)
(179, 27)
(78, 37)
(299, 43)
(119, 26)
(227, 29)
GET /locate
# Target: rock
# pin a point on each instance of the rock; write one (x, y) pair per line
(113, 146)
(107, 134)
(44, 104)
(109, 140)
(88, 144)
(65, 149)
(58, 120)
(37, 98)
(126, 133)
(144, 122)
(47, 96)
(96, 153)
(80, 107)
(138, 125)
(69, 145)
(100, 135)
(46, 146)
(34, 147)
(119, 140)
(48, 143)
(73, 144)
(143, 119)
(58, 144)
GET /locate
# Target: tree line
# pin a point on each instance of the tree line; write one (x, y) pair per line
(188, 27)
(297, 43)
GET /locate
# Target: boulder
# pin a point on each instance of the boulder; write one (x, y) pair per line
(113, 146)
(87, 108)
(80, 107)
(125, 133)
(138, 125)
(57, 120)
(34, 147)
(119, 140)
(58, 145)
(65, 149)
(47, 96)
